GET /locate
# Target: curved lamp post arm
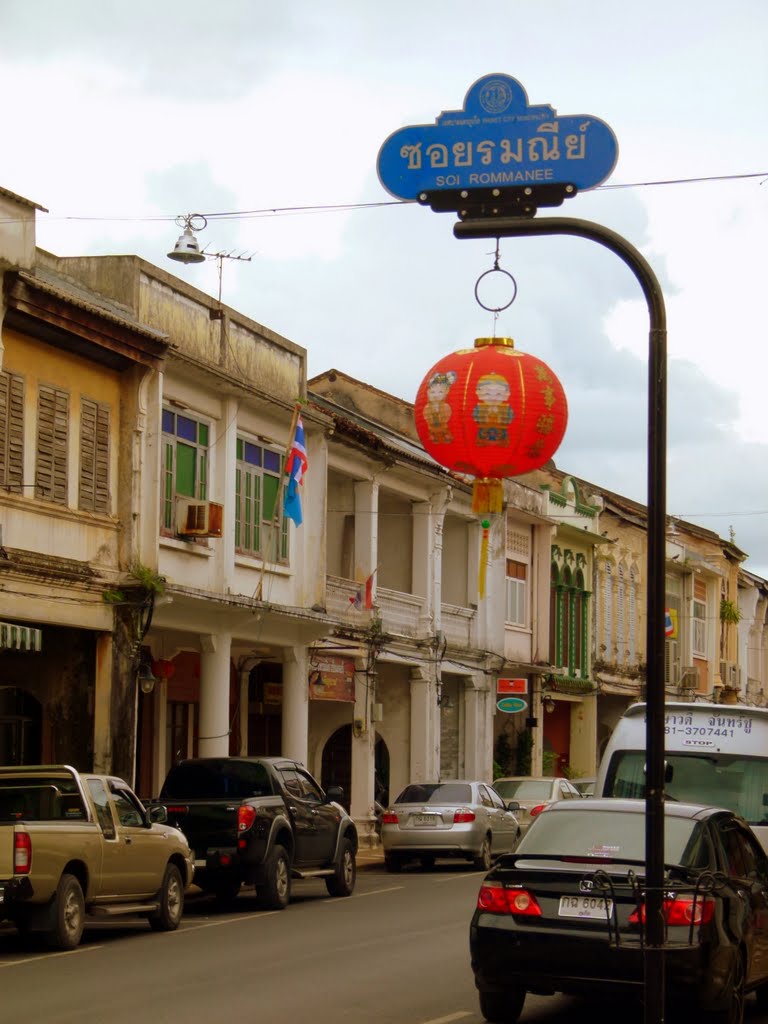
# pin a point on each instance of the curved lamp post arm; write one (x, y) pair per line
(657, 443)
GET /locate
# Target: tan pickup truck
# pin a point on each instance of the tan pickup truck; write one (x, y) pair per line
(76, 844)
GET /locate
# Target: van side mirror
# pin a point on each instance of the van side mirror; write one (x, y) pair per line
(158, 815)
(334, 794)
(513, 805)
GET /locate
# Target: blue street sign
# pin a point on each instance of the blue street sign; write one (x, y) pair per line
(511, 705)
(497, 141)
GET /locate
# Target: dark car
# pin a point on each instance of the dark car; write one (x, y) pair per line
(565, 911)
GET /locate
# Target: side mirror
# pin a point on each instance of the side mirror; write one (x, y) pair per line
(158, 815)
(334, 794)
(513, 805)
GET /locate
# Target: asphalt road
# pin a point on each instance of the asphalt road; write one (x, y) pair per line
(396, 952)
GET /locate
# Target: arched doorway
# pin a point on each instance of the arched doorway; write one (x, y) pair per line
(336, 767)
(21, 717)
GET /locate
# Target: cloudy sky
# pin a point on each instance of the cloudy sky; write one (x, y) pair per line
(119, 117)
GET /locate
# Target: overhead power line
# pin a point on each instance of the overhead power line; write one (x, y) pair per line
(284, 211)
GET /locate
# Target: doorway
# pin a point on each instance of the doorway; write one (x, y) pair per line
(21, 717)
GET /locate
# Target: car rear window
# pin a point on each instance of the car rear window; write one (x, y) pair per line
(214, 780)
(436, 793)
(41, 798)
(610, 835)
(524, 789)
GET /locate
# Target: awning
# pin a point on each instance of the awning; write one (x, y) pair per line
(20, 638)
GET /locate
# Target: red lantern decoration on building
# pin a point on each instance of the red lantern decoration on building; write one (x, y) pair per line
(163, 669)
(491, 412)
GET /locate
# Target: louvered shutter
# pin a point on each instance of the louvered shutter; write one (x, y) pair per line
(11, 431)
(94, 457)
(52, 434)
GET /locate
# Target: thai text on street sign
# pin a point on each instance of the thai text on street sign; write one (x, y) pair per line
(511, 686)
(511, 705)
(497, 140)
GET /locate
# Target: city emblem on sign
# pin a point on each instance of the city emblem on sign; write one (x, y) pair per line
(497, 141)
(511, 705)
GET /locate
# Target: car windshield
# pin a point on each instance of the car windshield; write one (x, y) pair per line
(611, 835)
(523, 789)
(722, 780)
(436, 793)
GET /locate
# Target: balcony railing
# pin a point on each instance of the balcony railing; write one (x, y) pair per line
(457, 624)
(400, 613)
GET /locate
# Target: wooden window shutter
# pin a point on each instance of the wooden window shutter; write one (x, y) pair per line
(93, 491)
(52, 437)
(11, 431)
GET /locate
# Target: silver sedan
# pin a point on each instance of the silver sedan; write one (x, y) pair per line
(457, 818)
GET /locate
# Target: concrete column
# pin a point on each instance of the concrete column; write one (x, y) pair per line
(295, 737)
(366, 529)
(478, 733)
(363, 742)
(102, 704)
(426, 563)
(214, 694)
(425, 749)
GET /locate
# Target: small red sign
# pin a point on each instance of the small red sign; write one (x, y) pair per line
(512, 686)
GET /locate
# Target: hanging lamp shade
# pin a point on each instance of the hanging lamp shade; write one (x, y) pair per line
(491, 412)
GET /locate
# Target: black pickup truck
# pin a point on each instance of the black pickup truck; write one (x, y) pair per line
(260, 821)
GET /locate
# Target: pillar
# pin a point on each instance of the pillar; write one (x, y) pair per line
(295, 735)
(363, 743)
(424, 747)
(214, 694)
(102, 705)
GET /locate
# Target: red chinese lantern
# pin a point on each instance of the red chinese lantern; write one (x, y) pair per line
(163, 669)
(491, 412)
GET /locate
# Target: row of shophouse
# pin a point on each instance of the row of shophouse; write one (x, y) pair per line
(156, 604)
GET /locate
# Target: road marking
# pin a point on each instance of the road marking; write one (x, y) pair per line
(458, 878)
(49, 956)
(226, 920)
(361, 895)
(451, 1016)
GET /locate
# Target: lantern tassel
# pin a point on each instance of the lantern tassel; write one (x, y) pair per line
(487, 496)
(483, 558)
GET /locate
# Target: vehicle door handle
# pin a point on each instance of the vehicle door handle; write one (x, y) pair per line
(128, 840)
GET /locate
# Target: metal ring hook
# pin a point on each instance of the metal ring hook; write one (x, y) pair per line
(495, 269)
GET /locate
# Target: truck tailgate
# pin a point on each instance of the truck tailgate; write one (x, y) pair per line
(207, 824)
(6, 851)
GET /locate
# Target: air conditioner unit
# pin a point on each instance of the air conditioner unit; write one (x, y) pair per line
(674, 673)
(734, 676)
(198, 518)
(689, 677)
(725, 667)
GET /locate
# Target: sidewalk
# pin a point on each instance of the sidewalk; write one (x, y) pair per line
(370, 857)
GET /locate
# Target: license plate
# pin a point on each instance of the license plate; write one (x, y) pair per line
(425, 819)
(592, 907)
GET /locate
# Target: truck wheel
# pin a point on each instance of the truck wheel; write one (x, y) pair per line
(68, 915)
(342, 881)
(275, 891)
(502, 1007)
(171, 898)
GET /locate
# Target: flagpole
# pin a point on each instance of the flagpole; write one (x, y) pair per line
(291, 436)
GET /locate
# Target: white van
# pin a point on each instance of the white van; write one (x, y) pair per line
(715, 754)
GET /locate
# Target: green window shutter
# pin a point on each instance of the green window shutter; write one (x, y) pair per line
(52, 438)
(238, 506)
(186, 458)
(168, 450)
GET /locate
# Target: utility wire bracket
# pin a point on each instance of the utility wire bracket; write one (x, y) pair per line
(497, 202)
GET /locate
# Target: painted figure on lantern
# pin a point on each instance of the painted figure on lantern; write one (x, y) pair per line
(492, 412)
(437, 411)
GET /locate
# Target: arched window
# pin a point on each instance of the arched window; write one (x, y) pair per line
(621, 640)
(632, 617)
(607, 609)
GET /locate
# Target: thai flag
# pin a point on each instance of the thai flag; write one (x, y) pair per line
(669, 624)
(295, 468)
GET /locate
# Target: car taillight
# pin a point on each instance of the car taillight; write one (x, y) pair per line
(536, 810)
(389, 818)
(22, 853)
(246, 815)
(681, 911)
(495, 899)
(463, 815)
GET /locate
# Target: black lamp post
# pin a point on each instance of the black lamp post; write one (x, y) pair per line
(506, 226)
